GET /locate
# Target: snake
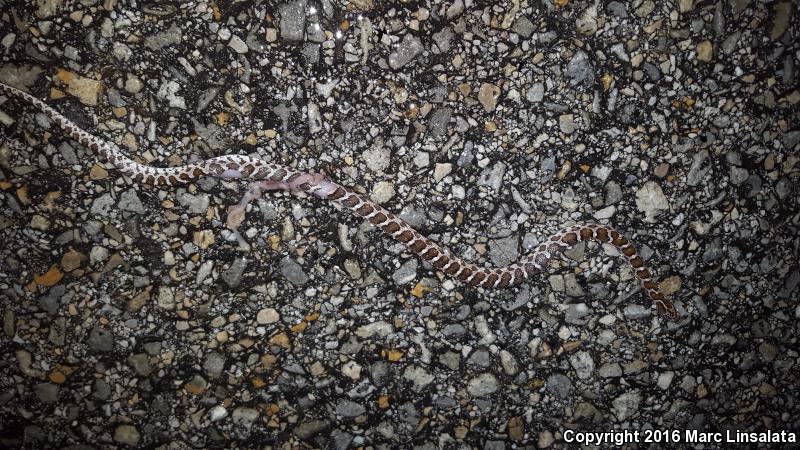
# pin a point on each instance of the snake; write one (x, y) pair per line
(265, 175)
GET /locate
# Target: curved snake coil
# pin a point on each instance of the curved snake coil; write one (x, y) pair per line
(269, 176)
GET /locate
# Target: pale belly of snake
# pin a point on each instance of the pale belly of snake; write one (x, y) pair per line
(270, 176)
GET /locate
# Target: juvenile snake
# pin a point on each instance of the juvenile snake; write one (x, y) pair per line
(270, 176)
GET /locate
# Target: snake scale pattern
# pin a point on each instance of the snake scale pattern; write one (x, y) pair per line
(270, 176)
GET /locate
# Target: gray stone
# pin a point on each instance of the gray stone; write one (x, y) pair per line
(102, 205)
(493, 176)
(650, 200)
(559, 385)
(141, 364)
(442, 39)
(169, 91)
(535, 93)
(129, 201)
(583, 364)
(214, 364)
(293, 20)
(523, 27)
(58, 331)
(51, 302)
(454, 330)
(194, 203)
(406, 273)
(406, 51)
(696, 171)
(618, 9)
(479, 358)
(100, 339)
(504, 251)
(237, 44)
(46, 392)
(101, 390)
(576, 313)
(738, 175)
(233, 275)
(377, 156)
(348, 408)
(483, 385)
(243, 419)
(580, 69)
(509, 363)
(627, 404)
(341, 440)
(418, 376)
(610, 370)
(166, 38)
(310, 428)
(293, 272)
(438, 121)
(571, 286)
(635, 312)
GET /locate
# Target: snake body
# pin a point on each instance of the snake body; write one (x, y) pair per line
(266, 175)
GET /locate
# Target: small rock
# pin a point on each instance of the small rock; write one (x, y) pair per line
(382, 192)
(166, 298)
(576, 312)
(129, 201)
(535, 93)
(665, 379)
(566, 123)
(493, 177)
(293, 272)
(482, 385)
(546, 439)
(237, 44)
(377, 157)
(293, 20)
(441, 170)
(267, 316)
(627, 404)
(406, 51)
(168, 91)
(348, 408)
(488, 95)
(127, 434)
(46, 392)
(439, 119)
(610, 370)
(100, 340)
(217, 413)
(418, 376)
(214, 364)
(636, 312)
(101, 390)
(559, 385)
(579, 69)
(781, 21)
(705, 51)
(583, 364)
(509, 363)
(605, 213)
(166, 38)
(232, 276)
(310, 428)
(406, 272)
(650, 199)
(141, 364)
(504, 251)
